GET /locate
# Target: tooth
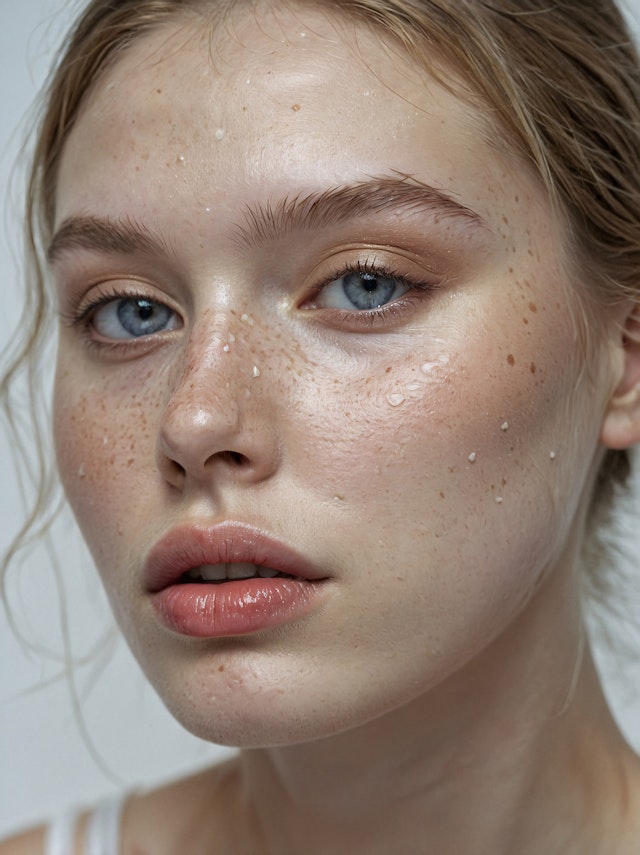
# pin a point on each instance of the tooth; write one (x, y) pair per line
(212, 572)
(267, 573)
(240, 571)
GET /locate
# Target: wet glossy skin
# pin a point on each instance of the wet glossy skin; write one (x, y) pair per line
(424, 455)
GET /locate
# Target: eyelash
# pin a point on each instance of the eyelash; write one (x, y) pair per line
(80, 317)
(373, 317)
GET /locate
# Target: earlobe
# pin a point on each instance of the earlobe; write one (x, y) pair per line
(621, 425)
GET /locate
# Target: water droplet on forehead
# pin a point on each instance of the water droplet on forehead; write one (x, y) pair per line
(472, 457)
(255, 371)
(219, 135)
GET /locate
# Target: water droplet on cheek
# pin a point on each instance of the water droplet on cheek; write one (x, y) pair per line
(395, 399)
(219, 134)
(472, 457)
(255, 371)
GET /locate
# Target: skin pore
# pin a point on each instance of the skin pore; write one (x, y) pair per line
(423, 453)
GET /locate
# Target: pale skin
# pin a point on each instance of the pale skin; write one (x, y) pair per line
(424, 454)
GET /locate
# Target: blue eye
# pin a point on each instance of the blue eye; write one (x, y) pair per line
(361, 291)
(133, 317)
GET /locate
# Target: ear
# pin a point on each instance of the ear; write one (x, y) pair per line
(621, 425)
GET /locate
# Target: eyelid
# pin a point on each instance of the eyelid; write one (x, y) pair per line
(101, 293)
(424, 274)
(79, 316)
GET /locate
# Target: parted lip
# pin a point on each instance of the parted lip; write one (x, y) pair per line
(189, 546)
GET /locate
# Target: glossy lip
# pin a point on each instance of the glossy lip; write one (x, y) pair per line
(189, 546)
(235, 607)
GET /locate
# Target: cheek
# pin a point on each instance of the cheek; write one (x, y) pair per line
(463, 441)
(105, 453)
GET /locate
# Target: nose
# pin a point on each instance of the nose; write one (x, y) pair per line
(218, 424)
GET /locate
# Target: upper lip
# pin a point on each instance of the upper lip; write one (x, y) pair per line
(189, 546)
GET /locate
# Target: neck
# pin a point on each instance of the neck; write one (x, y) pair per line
(508, 755)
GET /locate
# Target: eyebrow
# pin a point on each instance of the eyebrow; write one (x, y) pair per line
(270, 222)
(105, 234)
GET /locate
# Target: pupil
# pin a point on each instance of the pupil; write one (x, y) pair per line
(145, 310)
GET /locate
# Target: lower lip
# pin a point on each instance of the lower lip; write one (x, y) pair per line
(238, 607)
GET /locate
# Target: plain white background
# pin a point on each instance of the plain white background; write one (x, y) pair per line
(50, 757)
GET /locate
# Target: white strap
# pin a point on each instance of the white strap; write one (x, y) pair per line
(59, 837)
(103, 828)
(102, 835)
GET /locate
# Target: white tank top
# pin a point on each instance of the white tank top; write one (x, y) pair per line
(103, 830)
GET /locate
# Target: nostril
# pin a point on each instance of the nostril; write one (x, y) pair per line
(178, 470)
(234, 457)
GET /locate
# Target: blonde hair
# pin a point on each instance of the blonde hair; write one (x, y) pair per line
(559, 79)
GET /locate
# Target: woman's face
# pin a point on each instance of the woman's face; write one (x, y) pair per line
(307, 306)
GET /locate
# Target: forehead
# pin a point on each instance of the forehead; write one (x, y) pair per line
(275, 101)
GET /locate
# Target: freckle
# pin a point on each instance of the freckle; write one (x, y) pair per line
(387, 370)
(511, 270)
(533, 307)
(511, 359)
(130, 461)
(525, 320)
(221, 668)
(472, 457)
(159, 91)
(504, 426)
(295, 107)
(396, 399)
(532, 368)
(505, 220)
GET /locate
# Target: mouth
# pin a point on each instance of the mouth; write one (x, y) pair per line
(229, 579)
(219, 573)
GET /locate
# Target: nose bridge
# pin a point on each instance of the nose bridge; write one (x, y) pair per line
(211, 368)
(213, 411)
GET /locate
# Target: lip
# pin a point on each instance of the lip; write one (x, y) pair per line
(237, 607)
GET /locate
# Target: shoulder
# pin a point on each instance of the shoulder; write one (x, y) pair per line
(171, 818)
(27, 843)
